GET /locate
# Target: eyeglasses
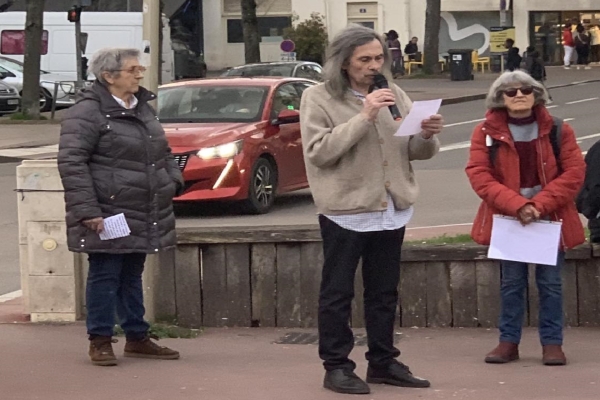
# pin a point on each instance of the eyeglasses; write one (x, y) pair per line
(525, 91)
(136, 70)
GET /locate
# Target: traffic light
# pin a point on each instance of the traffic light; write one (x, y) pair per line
(74, 14)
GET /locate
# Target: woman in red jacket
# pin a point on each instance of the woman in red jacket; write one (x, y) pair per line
(513, 168)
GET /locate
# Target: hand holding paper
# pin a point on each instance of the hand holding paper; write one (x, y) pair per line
(421, 110)
(115, 227)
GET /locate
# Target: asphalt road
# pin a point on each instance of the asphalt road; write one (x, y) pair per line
(446, 196)
(446, 205)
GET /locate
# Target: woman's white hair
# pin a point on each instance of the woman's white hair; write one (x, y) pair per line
(111, 60)
(507, 80)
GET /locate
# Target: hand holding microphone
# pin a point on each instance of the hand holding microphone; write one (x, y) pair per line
(381, 83)
(376, 100)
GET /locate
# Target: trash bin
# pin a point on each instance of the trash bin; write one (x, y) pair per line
(461, 67)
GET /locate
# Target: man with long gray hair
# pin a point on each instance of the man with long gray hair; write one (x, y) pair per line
(364, 187)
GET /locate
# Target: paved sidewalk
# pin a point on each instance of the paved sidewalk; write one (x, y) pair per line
(49, 362)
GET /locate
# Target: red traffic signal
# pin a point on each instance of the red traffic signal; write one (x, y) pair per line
(74, 14)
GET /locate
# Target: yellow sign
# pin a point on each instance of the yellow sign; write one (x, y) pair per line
(498, 35)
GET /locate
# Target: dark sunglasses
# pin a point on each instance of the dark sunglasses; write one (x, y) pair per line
(525, 90)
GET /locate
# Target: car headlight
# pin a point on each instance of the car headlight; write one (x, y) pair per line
(226, 150)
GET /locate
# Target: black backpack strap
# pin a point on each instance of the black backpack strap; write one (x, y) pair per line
(555, 140)
(492, 149)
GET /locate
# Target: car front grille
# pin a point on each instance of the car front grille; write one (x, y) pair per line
(181, 160)
(7, 91)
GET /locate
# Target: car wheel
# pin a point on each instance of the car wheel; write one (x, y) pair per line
(45, 101)
(262, 189)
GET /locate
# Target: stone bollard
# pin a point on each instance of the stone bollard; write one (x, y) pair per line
(50, 277)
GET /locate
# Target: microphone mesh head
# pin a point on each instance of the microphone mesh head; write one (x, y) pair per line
(380, 81)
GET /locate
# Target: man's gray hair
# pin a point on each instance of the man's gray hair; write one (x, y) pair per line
(340, 51)
(111, 60)
(507, 80)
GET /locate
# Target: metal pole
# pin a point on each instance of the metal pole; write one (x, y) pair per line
(151, 43)
(78, 52)
(128, 5)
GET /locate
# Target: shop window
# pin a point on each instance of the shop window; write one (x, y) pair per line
(268, 27)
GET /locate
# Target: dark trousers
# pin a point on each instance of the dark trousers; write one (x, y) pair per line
(583, 55)
(115, 284)
(380, 253)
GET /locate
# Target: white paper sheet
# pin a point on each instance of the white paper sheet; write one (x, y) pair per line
(421, 110)
(535, 243)
(115, 227)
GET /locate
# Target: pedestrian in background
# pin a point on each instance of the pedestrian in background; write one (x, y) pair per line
(568, 44)
(534, 65)
(595, 41)
(520, 167)
(513, 59)
(364, 187)
(412, 48)
(582, 47)
(393, 45)
(114, 158)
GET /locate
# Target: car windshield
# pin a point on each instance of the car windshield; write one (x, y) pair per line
(211, 103)
(15, 65)
(262, 70)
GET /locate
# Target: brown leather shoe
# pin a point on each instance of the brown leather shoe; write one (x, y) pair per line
(503, 353)
(146, 348)
(553, 355)
(101, 351)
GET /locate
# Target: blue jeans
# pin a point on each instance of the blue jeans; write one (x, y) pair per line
(115, 283)
(549, 284)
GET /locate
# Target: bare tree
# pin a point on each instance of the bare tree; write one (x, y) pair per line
(34, 26)
(250, 29)
(432, 37)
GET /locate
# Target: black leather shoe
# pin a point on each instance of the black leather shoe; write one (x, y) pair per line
(345, 381)
(396, 374)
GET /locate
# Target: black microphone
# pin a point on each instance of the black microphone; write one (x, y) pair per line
(381, 82)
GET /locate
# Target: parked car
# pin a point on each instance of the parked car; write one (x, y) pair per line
(236, 139)
(13, 70)
(10, 101)
(296, 69)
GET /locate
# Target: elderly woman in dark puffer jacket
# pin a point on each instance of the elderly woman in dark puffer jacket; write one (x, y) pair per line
(114, 158)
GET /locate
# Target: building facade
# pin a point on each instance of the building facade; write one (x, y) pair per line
(464, 24)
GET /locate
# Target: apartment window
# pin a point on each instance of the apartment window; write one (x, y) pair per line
(268, 27)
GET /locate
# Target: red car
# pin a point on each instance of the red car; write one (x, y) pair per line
(236, 138)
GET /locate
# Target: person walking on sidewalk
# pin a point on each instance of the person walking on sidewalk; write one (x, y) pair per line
(568, 44)
(114, 159)
(520, 166)
(364, 187)
(535, 67)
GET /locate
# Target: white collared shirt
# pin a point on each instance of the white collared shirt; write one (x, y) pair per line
(388, 220)
(132, 105)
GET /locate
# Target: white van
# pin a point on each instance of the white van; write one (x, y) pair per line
(104, 29)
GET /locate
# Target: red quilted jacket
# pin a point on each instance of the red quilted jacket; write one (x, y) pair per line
(499, 186)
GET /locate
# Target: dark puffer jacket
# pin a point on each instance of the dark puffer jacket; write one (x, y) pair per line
(113, 160)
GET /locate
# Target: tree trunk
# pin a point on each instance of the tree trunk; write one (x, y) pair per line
(432, 37)
(30, 101)
(251, 36)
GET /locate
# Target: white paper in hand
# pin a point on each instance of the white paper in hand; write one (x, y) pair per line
(115, 227)
(421, 110)
(535, 243)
